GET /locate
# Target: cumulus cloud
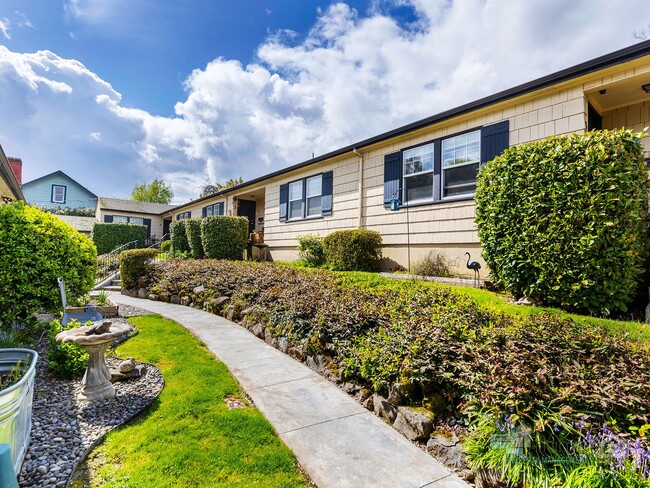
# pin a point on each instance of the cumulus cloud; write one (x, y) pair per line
(352, 76)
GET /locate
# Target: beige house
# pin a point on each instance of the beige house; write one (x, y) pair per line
(134, 212)
(10, 175)
(430, 165)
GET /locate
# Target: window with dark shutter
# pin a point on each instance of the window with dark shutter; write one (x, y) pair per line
(326, 199)
(495, 139)
(108, 218)
(392, 177)
(284, 200)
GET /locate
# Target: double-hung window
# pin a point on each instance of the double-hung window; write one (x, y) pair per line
(461, 158)
(184, 215)
(58, 193)
(214, 209)
(418, 173)
(307, 198)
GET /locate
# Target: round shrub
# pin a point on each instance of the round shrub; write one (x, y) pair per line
(310, 249)
(36, 249)
(134, 264)
(166, 246)
(224, 236)
(563, 220)
(353, 250)
(179, 236)
(109, 236)
(193, 233)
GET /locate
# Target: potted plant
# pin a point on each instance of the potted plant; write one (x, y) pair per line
(256, 237)
(17, 372)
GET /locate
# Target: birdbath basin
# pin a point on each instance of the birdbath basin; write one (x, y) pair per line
(95, 339)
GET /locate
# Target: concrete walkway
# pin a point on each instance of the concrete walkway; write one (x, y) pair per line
(337, 441)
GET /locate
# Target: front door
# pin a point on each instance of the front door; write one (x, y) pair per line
(247, 209)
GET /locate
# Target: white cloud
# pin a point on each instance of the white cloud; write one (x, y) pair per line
(24, 21)
(351, 77)
(5, 28)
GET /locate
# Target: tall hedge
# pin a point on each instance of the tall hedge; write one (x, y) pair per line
(224, 236)
(353, 250)
(179, 236)
(35, 249)
(108, 236)
(563, 220)
(134, 264)
(193, 234)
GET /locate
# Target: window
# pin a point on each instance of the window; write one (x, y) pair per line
(308, 197)
(418, 173)
(184, 215)
(214, 209)
(58, 193)
(461, 158)
(120, 219)
(442, 169)
(295, 200)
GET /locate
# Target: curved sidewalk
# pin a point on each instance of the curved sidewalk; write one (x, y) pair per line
(338, 442)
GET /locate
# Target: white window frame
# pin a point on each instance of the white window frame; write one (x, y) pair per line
(318, 195)
(444, 168)
(63, 194)
(410, 154)
(300, 184)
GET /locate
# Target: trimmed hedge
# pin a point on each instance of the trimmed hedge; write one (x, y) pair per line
(563, 220)
(134, 265)
(109, 236)
(179, 236)
(35, 249)
(193, 233)
(224, 236)
(353, 250)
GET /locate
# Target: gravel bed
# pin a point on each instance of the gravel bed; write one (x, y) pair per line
(130, 311)
(65, 429)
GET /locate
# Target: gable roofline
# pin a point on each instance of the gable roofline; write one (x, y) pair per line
(624, 55)
(58, 173)
(8, 175)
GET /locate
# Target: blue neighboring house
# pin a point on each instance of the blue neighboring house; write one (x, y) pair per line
(58, 190)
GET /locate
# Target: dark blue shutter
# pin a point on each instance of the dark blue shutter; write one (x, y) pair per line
(494, 140)
(108, 218)
(326, 198)
(437, 169)
(147, 222)
(392, 177)
(219, 209)
(284, 199)
(204, 212)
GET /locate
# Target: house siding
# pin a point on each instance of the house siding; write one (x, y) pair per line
(39, 193)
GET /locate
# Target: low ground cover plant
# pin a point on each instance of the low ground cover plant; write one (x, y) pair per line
(65, 360)
(461, 360)
(563, 220)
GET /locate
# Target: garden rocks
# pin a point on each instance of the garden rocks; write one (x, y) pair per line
(413, 423)
(384, 409)
(398, 393)
(447, 449)
(186, 301)
(142, 293)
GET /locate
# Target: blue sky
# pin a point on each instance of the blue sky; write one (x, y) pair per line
(119, 92)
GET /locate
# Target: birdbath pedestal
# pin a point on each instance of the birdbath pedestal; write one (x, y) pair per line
(95, 339)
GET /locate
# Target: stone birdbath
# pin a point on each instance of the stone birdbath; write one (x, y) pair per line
(95, 339)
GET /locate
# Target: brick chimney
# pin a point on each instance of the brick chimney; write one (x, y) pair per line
(17, 167)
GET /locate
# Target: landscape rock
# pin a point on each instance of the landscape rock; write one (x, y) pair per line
(126, 366)
(164, 297)
(283, 344)
(486, 478)
(383, 408)
(258, 330)
(268, 337)
(369, 403)
(153, 296)
(447, 449)
(363, 394)
(297, 353)
(413, 423)
(185, 301)
(142, 293)
(199, 289)
(175, 300)
(398, 393)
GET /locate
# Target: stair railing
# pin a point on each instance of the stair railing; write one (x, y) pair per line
(108, 264)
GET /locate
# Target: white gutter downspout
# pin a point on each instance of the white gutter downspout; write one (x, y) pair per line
(360, 223)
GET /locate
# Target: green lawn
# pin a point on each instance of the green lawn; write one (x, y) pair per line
(637, 331)
(189, 438)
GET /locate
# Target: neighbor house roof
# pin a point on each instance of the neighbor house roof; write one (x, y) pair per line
(82, 224)
(58, 173)
(8, 177)
(133, 206)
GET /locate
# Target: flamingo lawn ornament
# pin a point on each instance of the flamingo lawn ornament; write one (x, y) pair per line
(474, 265)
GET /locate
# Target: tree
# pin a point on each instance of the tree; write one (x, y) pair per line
(209, 188)
(157, 192)
(641, 35)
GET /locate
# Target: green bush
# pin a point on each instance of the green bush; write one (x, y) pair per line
(109, 236)
(224, 236)
(310, 249)
(353, 250)
(563, 220)
(35, 249)
(166, 246)
(179, 236)
(65, 360)
(134, 265)
(193, 233)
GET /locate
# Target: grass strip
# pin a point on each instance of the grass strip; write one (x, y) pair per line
(189, 438)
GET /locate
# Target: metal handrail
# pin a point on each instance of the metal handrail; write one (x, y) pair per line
(108, 264)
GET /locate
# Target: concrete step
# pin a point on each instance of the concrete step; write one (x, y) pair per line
(117, 282)
(113, 288)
